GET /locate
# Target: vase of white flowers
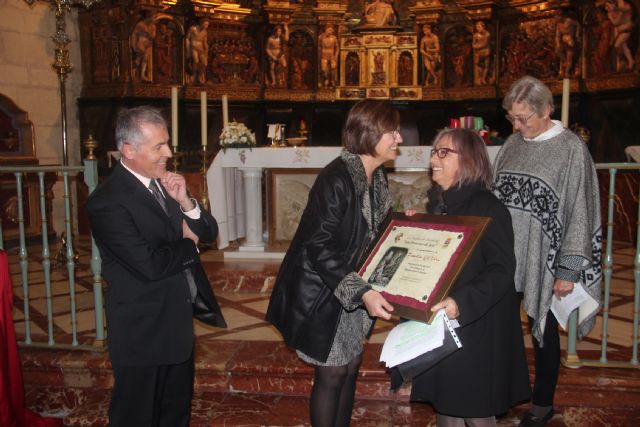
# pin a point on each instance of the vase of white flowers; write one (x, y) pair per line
(237, 135)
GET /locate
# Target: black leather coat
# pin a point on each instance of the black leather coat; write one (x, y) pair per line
(334, 232)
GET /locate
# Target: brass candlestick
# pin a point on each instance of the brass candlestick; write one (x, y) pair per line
(204, 191)
(176, 158)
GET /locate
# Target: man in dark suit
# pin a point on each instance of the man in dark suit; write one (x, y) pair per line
(147, 229)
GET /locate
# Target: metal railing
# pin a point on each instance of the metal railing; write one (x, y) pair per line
(572, 358)
(91, 179)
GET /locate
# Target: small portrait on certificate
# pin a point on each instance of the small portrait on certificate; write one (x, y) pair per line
(387, 267)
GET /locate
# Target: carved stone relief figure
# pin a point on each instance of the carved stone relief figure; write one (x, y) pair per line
(405, 69)
(116, 46)
(233, 60)
(352, 67)
(165, 53)
(481, 44)
(620, 13)
(142, 39)
(301, 54)
(379, 75)
(251, 73)
(566, 43)
(328, 50)
(197, 46)
(459, 66)
(276, 55)
(529, 48)
(379, 13)
(115, 59)
(101, 41)
(430, 50)
(599, 43)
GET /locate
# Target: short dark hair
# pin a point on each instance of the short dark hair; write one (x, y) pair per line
(128, 123)
(367, 121)
(530, 91)
(475, 166)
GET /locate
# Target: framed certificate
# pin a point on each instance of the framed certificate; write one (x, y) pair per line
(417, 259)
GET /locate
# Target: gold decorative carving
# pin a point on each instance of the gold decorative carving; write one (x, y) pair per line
(522, 38)
(351, 93)
(380, 92)
(620, 81)
(326, 95)
(409, 93)
(432, 94)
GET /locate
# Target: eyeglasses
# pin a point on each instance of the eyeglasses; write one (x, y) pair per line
(522, 120)
(442, 152)
(394, 133)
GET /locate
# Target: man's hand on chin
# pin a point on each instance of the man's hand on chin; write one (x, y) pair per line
(176, 187)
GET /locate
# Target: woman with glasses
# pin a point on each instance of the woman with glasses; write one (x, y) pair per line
(489, 373)
(319, 303)
(546, 178)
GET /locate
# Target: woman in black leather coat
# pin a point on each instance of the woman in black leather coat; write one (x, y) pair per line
(489, 373)
(322, 307)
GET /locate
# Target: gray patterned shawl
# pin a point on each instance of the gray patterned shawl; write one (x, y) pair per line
(551, 190)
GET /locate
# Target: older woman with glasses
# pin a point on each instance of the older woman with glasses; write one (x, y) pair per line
(546, 178)
(319, 303)
(489, 373)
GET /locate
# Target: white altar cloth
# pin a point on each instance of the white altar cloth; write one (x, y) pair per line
(225, 178)
(633, 153)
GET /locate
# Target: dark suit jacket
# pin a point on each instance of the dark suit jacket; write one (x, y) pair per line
(144, 258)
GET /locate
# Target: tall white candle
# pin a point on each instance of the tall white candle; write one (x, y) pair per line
(174, 116)
(225, 111)
(203, 117)
(565, 103)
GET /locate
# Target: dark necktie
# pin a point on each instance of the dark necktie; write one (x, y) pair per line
(155, 190)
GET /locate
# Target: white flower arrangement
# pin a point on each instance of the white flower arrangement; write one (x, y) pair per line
(237, 135)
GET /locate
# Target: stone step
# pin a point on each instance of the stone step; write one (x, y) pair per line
(254, 410)
(239, 276)
(237, 382)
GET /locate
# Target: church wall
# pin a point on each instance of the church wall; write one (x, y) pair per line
(26, 75)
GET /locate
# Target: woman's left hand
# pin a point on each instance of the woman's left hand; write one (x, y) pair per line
(562, 288)
(376, 305)
(450, 307)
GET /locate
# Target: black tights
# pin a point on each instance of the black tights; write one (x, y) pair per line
(333, 393)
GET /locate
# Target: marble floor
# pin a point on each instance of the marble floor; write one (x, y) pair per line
(247, 376)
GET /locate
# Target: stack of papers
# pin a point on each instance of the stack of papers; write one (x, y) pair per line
(578, 298)
(410, 339)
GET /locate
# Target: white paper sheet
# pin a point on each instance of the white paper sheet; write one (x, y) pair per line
(410, 339)
(562, 308)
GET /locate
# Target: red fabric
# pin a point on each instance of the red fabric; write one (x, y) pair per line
(12, 409)
(11, 388)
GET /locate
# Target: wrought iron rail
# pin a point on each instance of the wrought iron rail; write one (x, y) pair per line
(572, 358)
(90, 176)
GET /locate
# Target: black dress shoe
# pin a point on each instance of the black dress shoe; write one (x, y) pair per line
(530, 420)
